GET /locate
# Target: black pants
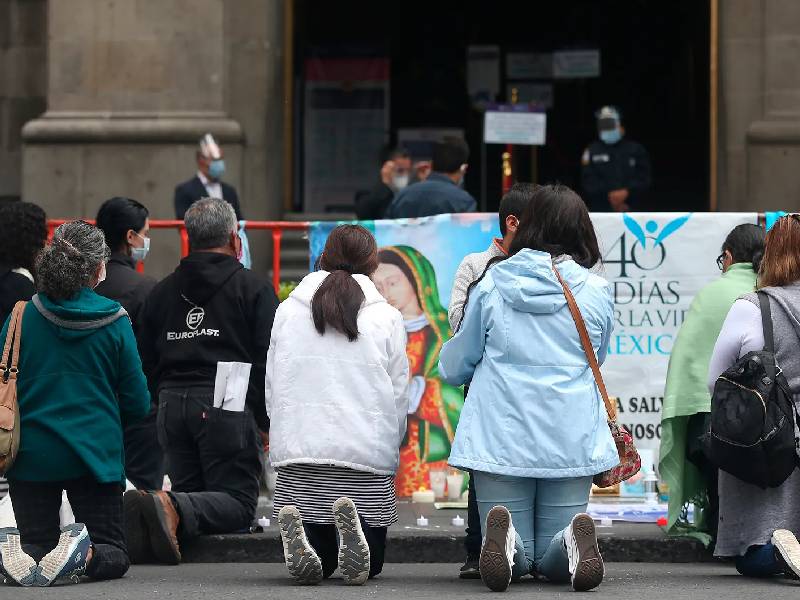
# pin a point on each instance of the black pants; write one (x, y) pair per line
(96, 505)
(144, 459)
(212, 458)
(325, 541)
(474, 539)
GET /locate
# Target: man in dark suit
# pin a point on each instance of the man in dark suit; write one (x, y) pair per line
(208, 181)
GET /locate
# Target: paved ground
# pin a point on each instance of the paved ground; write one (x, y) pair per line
(409, 582)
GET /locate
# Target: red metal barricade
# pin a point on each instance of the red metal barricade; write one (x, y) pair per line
(276, 227)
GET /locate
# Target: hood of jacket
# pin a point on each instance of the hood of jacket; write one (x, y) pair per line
(79, 316)
(305, 291)
(788, 298)
(201, 274)
(527, 282)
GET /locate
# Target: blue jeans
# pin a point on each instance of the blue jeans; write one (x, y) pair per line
(759, 561)
(540, 510)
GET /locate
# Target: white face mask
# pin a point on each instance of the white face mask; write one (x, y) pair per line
(139, 254)
(399, 181)
(101, 276)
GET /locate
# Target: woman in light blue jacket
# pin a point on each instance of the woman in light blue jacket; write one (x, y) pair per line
(533, 430)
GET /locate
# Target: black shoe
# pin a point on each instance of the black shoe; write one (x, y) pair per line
(136, 535)
(471, 569)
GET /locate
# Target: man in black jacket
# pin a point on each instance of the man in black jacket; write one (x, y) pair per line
(615, 171)
(203, 338)
(207, 183)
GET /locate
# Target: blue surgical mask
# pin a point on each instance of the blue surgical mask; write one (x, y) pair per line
(139, 254)
(611, 136)
(216, 169)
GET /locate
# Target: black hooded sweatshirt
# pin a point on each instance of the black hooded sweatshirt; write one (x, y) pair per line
(209, 310)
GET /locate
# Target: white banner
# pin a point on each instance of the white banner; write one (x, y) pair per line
(656, 263)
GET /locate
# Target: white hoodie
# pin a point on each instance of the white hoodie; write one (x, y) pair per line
(332, 401)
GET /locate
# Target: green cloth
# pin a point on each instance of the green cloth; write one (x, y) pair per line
(686, 394)
(78, 386)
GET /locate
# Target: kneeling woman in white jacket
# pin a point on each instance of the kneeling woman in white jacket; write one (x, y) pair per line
(336, 392)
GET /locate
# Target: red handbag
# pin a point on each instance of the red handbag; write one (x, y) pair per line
(629, 460)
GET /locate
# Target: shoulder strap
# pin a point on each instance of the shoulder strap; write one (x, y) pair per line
(766, 322)
(585, 342)
(12, 338)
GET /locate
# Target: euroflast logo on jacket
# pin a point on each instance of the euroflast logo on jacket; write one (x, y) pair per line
(194, 318)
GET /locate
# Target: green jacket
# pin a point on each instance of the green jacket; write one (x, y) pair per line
(686, 393)
(80, 382)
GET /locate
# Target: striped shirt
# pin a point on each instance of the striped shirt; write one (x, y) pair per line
(314, 488)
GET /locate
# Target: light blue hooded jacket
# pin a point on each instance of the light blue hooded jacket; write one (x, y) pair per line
(533, 408)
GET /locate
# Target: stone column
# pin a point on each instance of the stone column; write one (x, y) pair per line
(133, 85)
(773, 141)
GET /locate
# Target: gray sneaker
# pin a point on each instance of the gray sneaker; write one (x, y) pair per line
(585, 563)
(354, 557)
(301, 559)
(15, 565)
(787, 552)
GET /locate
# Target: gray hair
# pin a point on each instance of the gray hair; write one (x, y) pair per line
(71, 260)
(209, 223)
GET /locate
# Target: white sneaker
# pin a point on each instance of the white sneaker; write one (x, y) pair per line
(585, 563)
(497, 554)
(354, 556)
(301, 559)
(787, 552)
(14, 563)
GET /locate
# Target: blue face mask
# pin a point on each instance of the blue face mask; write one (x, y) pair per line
(216, 169)
(611, 136)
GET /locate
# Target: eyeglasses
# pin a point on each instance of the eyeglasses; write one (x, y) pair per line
(721, 261)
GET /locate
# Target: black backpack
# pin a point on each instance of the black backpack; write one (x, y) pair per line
(752, 426)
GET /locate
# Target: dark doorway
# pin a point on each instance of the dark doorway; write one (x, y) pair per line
(654, 67)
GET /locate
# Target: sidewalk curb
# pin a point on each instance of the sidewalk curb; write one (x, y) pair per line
(410, 548)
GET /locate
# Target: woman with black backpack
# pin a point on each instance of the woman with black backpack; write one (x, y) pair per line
(758, 526)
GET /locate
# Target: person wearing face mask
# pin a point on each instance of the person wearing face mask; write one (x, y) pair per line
(207, 183)
(125, 224)
(394, 175)
(442, 191)
(203, 335)
(615, 171)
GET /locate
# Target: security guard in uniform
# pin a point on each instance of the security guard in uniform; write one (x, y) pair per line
(615, 171)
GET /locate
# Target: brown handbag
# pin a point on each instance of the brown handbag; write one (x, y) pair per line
(629, 460)
(9, 407)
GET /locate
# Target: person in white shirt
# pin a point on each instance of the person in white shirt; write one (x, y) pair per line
(208, 180)
(337, 396)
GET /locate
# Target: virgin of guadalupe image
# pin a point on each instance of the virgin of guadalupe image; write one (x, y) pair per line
(408, 282)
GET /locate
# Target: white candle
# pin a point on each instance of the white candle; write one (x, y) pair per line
(426, 496)
(454, 483)
(422, 522)
(264, 522)
(458, 521)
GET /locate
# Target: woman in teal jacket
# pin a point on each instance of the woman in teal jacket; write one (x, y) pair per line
(533, 429)
(80, 381)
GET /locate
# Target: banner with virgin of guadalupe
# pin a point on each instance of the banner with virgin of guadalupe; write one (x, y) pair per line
(654, 262)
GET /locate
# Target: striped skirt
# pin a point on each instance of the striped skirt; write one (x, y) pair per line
(314, 488)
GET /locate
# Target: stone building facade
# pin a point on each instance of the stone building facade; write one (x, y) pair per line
(99, 96)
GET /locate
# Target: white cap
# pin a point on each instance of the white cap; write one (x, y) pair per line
(209, 147)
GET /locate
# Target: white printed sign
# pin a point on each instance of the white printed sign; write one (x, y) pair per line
(524, 128)
(656, 263)
(576, 64)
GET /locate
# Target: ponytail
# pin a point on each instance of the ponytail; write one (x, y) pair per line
(336, 304)
(473, 285)
(350, 250)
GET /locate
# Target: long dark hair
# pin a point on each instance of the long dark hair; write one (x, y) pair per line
(555, 221)
(746, 244)
(350, 250)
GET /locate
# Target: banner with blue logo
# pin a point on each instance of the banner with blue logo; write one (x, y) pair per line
(655, 262)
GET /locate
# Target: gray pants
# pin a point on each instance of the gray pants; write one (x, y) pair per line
(213, 460)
